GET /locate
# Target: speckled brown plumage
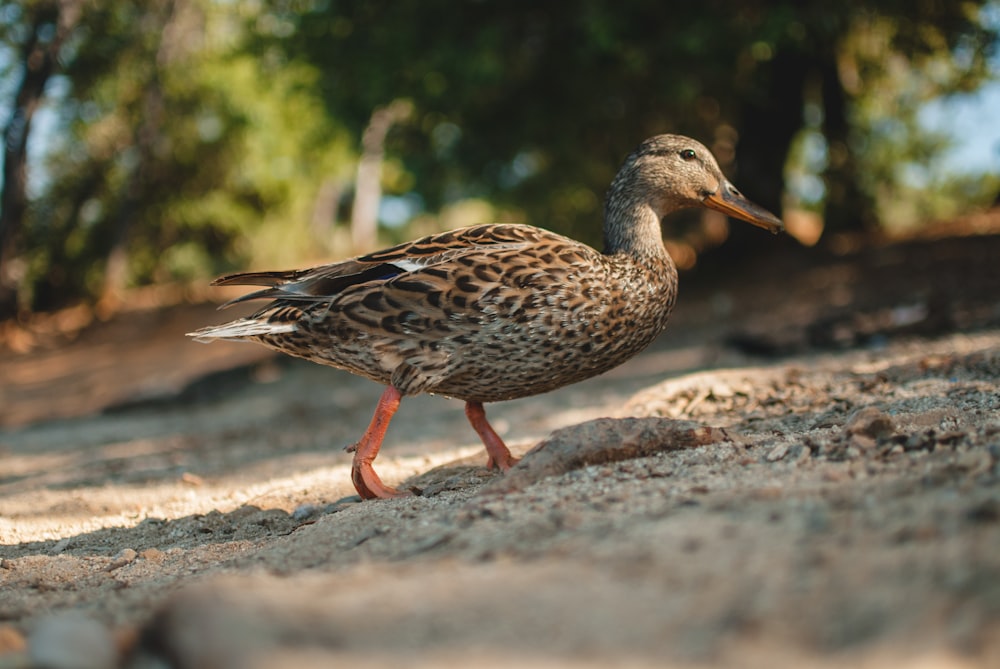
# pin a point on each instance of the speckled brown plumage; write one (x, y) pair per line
(494, 312)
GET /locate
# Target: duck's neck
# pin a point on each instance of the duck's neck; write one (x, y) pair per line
(633, 228)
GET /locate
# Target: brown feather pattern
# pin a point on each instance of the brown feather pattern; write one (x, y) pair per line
(493, 312)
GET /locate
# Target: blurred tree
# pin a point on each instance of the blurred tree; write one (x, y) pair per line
(196, 135)
(178, 153)
(35, 32)
(891, 68)
(534, 105)
(368, 184)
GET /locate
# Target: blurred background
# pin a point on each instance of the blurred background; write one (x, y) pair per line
(158, 144)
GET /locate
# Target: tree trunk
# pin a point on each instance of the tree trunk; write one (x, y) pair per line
(325, 206)
(116, 265)
(368, 187)
(769, 121)
(848, 208)
(164, 23)
(39, 58)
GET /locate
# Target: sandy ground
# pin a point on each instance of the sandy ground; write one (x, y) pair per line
(803, 471)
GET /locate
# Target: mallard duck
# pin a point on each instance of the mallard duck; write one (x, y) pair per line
(493, 312)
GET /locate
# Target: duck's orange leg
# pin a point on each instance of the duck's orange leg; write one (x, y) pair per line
(366, 481)
(500, 456)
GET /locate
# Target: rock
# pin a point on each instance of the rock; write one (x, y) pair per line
(862, 442)
(152, 555)
(211, 627)
(869, 422)
(60, 546)
(777, 453)
(11, 640)
(71, 641)
(601, 441)
(124, 557)
(304, 511)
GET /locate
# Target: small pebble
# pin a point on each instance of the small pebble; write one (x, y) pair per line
(862, 442)
(869, 422)
(60, 546)
(303, 512)
(721, 391)
(777, 453)
(769, 492)
(152, 555)
(836, 475)
(192, 479)
(71, 641)
(11, 640)
(124, 557)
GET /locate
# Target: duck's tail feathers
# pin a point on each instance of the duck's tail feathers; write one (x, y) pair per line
(243, 329)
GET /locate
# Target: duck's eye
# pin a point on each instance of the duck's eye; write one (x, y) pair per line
(688, 154)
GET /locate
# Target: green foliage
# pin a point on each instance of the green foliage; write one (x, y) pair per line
(893, 68)
(532, 107)
(198, 136)
(529, 106)
(182, 146)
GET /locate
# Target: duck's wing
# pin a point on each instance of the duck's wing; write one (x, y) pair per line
(320, 284)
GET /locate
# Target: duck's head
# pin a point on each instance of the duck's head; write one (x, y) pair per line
(671, 172)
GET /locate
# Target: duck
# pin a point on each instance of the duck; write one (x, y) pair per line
(492, 312)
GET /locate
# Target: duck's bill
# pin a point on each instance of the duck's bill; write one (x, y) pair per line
(731, 202)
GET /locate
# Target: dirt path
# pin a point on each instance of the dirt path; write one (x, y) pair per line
(846, 510)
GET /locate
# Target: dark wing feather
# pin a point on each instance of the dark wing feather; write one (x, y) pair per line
(318, 286)
(321, 283)
(258, 278)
